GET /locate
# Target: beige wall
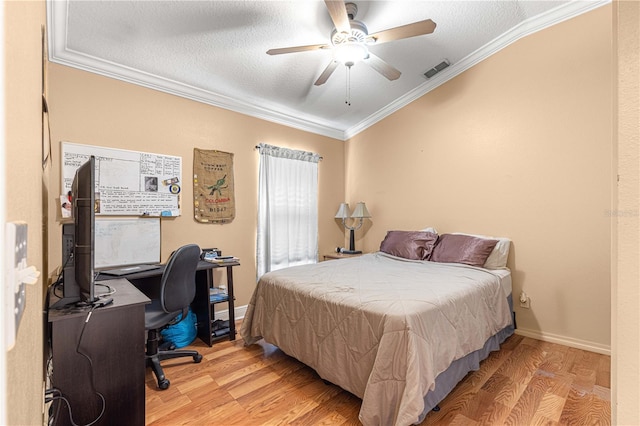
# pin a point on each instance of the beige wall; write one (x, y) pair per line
(22, 186)
(95, 110)
(518, 146)
(625, 368)
(519, 109)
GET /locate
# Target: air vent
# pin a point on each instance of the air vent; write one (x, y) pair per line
(435, 70)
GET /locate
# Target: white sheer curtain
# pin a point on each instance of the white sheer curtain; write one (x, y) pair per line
(287, 208)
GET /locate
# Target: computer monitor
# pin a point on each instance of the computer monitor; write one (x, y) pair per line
(78, 240)
(83, 195)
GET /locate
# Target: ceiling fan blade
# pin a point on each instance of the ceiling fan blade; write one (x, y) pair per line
(326, 73)
(405, 31)
(382, 67)
(294, 49)
(338, 13)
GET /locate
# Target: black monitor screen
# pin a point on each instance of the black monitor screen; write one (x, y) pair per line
(83, 196)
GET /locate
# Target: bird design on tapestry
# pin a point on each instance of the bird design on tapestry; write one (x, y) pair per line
(218, 186)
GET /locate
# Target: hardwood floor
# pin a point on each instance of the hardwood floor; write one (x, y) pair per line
(527, 382)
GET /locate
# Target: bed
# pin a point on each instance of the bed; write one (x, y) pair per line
(397, 332)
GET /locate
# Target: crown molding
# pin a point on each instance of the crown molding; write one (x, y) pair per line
(59, 53)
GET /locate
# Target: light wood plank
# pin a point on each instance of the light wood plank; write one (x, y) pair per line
(527, 382)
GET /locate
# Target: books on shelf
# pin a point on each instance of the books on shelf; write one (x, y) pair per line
(218, 295)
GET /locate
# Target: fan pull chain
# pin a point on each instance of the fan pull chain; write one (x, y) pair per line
(348, 87)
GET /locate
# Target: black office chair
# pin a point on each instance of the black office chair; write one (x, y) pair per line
(177, 290)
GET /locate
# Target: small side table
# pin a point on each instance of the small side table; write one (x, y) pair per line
(332, 256)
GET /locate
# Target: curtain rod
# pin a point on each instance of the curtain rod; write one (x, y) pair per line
(319, 156)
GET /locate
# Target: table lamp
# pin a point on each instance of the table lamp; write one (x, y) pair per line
(359, 213)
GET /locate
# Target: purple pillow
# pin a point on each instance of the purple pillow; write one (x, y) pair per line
(416, 245)
(455, 248)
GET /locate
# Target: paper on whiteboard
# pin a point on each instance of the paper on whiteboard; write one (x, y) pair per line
(128, 182)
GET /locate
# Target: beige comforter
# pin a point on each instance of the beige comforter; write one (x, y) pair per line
(380, 327)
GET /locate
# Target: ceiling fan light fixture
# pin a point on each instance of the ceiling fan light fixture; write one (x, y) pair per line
(350, 53)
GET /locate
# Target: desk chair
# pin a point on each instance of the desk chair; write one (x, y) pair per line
(177, 290)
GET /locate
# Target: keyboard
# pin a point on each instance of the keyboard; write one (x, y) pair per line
(129, 270)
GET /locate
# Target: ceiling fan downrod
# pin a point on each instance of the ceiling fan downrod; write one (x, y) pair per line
(352, 10)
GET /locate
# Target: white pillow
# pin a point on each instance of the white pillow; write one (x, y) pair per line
(498, 257)
(430, 229)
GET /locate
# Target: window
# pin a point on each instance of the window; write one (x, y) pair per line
(287, 208)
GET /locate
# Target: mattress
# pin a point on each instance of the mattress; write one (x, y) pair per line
(380, 327)
(504, 275)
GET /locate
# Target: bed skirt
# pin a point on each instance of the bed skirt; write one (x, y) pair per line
(448, 379)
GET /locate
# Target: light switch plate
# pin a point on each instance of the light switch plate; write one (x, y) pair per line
(15, 291)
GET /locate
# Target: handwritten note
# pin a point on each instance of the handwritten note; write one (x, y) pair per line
(128, 182)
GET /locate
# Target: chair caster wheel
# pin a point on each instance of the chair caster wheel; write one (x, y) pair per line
(164, 384)
(197, 358)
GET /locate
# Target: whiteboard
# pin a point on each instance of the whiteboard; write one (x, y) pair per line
(126, 241)
(127, 182)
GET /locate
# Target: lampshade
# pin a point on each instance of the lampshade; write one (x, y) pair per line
(360, 211)
(343, 211)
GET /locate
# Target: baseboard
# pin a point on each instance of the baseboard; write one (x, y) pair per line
(566, 341)
(239, 312)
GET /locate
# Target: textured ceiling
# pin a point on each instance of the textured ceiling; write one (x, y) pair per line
(215, 51)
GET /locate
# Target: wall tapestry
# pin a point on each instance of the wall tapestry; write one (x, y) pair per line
(213, 196)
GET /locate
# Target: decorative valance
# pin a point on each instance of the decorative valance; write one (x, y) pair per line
(292, 154)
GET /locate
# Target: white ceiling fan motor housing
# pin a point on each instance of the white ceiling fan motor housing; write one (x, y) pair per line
(358, 34)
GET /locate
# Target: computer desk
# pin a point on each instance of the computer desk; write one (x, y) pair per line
(88, 357)
(118, 370)
(148, 282)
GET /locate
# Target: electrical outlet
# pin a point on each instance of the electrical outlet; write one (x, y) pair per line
(525, 301)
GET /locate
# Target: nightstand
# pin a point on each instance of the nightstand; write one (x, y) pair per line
(332, 256)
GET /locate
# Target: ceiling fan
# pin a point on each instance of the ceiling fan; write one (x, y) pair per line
(350, 40)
